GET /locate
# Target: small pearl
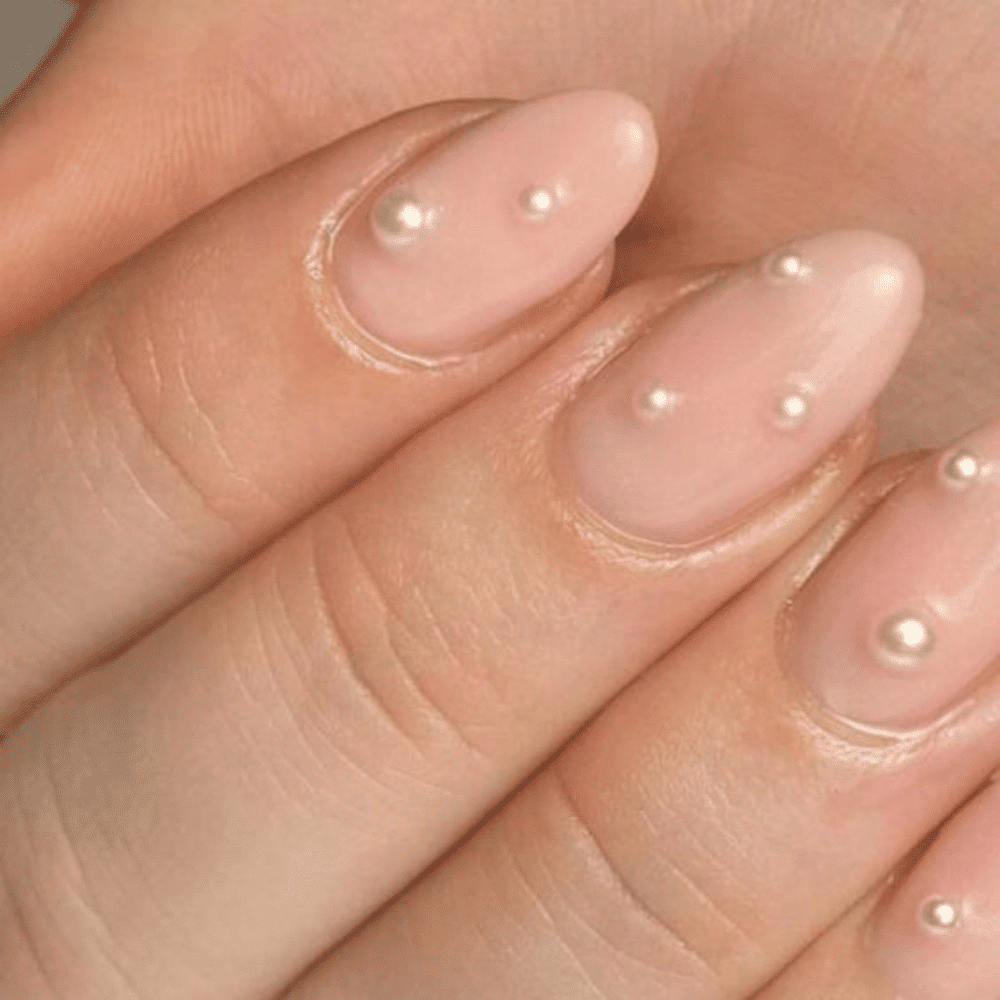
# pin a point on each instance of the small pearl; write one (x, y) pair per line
(792, 409)
(399, 219)
(941, 914)
(658, 401)
(789, 266)
(962, 469)
(905, 640)
(538, 202)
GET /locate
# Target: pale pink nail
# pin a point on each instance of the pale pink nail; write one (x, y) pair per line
(495, 220)
(899, 623)
(740, 390)
(937, 937)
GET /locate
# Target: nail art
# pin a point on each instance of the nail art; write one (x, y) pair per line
(901, 621)
(493, 221)
(737, 392)
(937, 935)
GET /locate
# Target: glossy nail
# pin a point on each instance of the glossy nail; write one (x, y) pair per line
(496, 219)
(902, 619)
(937, 937)
(731, 396)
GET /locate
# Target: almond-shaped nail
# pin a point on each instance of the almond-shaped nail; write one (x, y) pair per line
(736, 393)
(937, 936)
(902, 620)
(496, 219)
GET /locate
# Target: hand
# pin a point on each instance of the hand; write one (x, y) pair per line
(254, 771)
(776, 118)
(622, 271)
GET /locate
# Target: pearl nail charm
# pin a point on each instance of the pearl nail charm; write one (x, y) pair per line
(792, 409)
(657, 401)
(398, 219)
(941, 915)
(789, 266)
(962, 468)
(538, 202)
(905, 640)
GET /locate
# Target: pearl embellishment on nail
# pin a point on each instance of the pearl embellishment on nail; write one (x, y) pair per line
(789, 266)
(658, 401)
(792, 409)
(905, 640)
(400, 220)
(941, 915)
(962, 469)
(538, 202)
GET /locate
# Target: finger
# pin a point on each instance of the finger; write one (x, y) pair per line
(218, 388)
(202, 99)
(717, 817)
(328, 720)
(936, 935)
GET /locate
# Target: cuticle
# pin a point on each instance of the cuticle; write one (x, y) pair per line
(889, 746)
(334, 314)
(741, 533)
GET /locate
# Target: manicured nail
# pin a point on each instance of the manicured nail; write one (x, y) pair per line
(495, 220)
(743, 387)
(902, 619)
(937, 937)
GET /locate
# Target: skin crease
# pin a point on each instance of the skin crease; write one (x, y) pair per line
(777, 119)
(773, 131)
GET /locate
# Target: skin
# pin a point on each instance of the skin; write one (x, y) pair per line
(892, 102)
(888, 103)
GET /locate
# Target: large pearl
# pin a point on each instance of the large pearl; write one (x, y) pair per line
(941, 915)
(905, 640)
(398, 219)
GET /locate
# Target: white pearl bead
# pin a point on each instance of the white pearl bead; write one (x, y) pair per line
(962, 468)
(539, 202)
(789, 265)
(658, 401)
(792, 409)
(398, 219)
(905, 640)
(941, 914)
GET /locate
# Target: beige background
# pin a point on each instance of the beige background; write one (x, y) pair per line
(27, 30)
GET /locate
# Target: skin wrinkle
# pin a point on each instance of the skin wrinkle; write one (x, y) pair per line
(629, 891)
(649, 918)
(549, 918)
(82, 892)
(868, 92)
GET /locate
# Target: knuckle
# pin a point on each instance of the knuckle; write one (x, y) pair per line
(55, 940)
(666, 941)
(350, 651)
(133, 393)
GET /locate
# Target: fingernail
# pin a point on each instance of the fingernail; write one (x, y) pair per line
(902, 619)
(937, 937)
(493, 221)
(736, 393)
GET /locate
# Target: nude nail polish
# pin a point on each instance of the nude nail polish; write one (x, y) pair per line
(734, 394)
(937, 936)
(498, 218)
(901, 621)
